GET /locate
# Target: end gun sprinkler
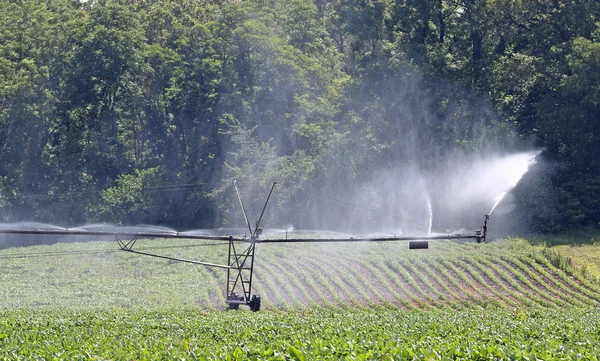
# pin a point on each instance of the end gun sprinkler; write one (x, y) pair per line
(481, 237)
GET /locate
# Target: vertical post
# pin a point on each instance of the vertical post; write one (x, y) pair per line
(229, 291)
(485, 226)
(251, 255)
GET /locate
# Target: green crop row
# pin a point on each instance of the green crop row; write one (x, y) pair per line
(303, 334)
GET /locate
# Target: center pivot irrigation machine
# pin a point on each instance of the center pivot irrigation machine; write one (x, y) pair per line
(240, 259)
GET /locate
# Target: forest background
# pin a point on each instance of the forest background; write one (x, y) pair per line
(144, 112)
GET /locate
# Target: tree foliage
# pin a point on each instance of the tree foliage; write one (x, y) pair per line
(102, 101)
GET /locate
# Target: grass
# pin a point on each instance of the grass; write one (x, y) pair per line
(583, 257)
(580, 248)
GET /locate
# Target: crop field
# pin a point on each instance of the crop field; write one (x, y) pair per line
(315, 334)
(505, 299)
(96, 275)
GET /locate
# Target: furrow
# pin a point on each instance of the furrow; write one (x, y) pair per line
(326, 275)
(584, 286)
(424, 276)
(525, 278)
(441, 284)
(492, 294)
(279, 280)
(293, 281)
(518, 292)
(370, 278)
(266, 302)
(470, 282)
(350, 281)
(548, 283)
(467, 292)
(403, 295)
(407, 285)
(524, 284)
(267, 286)
(426, 298)
(395, 297)
(418, 280)
(508, 282)
(314, 282)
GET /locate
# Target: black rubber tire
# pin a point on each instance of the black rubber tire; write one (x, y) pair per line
(255, 303)
(233, 306)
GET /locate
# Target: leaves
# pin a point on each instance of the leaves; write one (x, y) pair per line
(325, 335)
(296, 355)
(91, 92)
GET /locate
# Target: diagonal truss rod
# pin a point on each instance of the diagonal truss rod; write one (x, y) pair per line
(256, 229)
(237, 191)
(128, 247)
(239, 267)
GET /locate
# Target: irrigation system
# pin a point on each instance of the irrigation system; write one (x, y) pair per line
(240, 259)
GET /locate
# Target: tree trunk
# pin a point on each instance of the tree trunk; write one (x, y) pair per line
(441, 21)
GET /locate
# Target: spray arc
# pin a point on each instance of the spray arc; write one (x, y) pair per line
(241, 250)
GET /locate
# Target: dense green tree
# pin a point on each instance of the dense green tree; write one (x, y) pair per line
(147, 111)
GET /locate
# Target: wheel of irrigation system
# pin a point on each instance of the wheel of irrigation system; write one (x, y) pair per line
(254, 303)
(236, 297)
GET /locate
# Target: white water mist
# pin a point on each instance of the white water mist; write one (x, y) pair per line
(475, 187)
(409, 200)
(430, 209)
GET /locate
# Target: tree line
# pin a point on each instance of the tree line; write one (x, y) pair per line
(145, 111)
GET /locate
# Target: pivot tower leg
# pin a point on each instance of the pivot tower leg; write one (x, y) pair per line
(239, 276)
